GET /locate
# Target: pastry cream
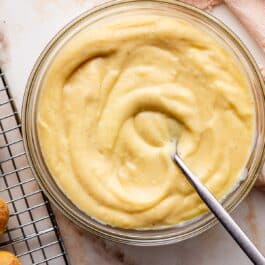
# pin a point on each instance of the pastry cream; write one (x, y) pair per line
(120, 96)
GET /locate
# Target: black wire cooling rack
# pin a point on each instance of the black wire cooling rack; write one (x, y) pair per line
(32, 233)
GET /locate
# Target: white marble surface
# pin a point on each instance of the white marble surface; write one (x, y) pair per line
(25, 28)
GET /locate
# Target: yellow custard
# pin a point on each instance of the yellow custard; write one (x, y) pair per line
(117, 98)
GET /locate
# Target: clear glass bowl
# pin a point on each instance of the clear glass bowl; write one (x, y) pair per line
(199, 19)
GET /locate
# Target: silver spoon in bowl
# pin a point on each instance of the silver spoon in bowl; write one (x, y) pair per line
(222, 215)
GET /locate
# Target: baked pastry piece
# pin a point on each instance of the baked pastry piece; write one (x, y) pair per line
(4, 215)
(7, 258)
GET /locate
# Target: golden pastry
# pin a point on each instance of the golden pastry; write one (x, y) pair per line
(4, 215)
(7, 258)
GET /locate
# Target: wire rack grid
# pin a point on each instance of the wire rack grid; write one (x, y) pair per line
(32, 233)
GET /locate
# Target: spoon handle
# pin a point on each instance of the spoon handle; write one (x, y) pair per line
(222, 215)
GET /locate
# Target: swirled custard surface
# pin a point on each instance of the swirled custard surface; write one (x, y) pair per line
(117, 98)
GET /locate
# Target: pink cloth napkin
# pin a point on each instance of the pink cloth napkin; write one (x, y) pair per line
(203, 4)
(251, 13)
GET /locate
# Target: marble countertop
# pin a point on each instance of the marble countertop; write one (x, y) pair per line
(25, 29)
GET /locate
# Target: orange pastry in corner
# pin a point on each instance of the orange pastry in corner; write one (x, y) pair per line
(7, 258)
(4, 216)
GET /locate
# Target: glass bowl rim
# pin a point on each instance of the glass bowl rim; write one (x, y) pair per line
(135, 237)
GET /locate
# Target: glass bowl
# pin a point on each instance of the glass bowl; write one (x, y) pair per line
(199, 19)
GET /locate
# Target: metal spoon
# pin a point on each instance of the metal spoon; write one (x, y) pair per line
(222, 215)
